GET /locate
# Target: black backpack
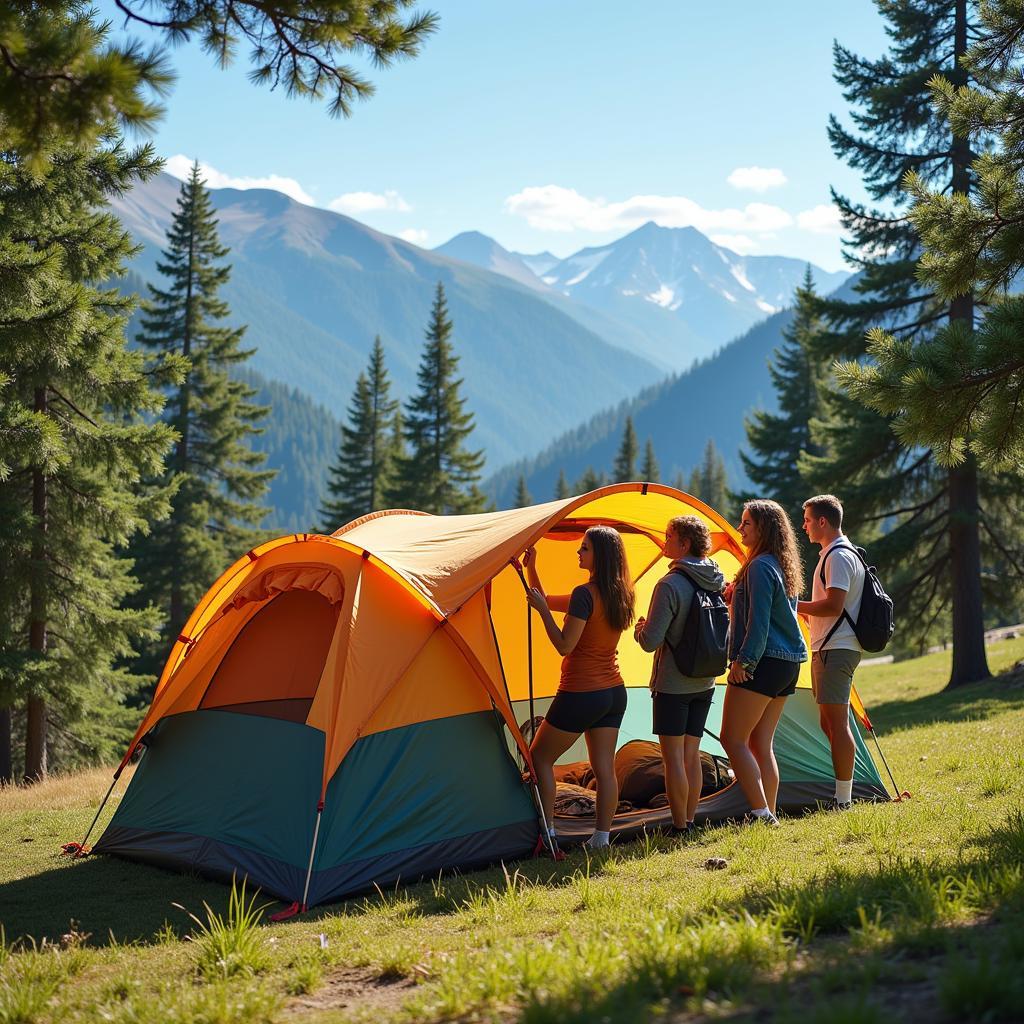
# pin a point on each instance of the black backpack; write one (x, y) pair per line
(703, 649)
(874, 626)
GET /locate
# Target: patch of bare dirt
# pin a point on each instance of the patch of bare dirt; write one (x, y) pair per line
(354, 986)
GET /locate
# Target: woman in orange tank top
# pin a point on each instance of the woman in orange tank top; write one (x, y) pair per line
(591, 696)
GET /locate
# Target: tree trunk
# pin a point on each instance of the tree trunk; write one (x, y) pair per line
(6, 748)
(969, 661)
(35, 726)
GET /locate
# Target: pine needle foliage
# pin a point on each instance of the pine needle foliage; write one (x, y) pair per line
(62, 79)
(439, 474)
(80, 444)
(963, 394)
(562, 486)
(219, 477)
(650, 470)
(624, 467)
(362, 475)
(523, 495)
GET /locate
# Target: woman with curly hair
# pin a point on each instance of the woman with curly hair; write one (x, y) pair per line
(591, 696)
(766, 648)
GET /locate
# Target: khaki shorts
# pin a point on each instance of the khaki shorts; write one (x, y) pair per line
(832, 675)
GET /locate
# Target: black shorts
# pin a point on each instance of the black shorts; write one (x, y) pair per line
(774, 677)
(681, 714)
(588, 709)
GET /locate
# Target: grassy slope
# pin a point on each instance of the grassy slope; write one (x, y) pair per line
(905, 911)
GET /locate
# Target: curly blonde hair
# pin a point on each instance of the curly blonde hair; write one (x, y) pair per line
(775, 536)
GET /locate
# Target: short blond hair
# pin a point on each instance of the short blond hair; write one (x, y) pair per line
(827, 507)
(693, 529)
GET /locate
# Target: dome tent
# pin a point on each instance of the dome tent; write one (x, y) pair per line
(342, 711)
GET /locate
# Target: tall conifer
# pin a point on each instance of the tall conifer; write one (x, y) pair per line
(216, 508)
(77, 437)
(362, 475)
(523, 495)
(930, 552)
(650, 471)
(562, 486)
(778, 440)
(709, 482)
(439, 474)
(624, 467)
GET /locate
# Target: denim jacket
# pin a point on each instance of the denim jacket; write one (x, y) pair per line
(764, 622)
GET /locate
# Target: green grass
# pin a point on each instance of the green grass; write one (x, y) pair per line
(908, 911)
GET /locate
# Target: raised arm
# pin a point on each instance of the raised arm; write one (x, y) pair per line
(563, 640)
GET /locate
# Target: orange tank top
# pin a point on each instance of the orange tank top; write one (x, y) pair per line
(593, 664)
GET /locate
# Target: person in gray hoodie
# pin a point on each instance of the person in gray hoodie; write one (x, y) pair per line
(681, 704)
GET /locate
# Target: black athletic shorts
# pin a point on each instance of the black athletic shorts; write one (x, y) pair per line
(578, 711)
(681, 714)
(774, 677)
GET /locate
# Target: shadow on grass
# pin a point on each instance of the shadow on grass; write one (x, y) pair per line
(112, 899)
(973, 701)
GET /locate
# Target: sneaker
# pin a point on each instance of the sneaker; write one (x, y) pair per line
(761, 819)
(838, 805)
(688, 831)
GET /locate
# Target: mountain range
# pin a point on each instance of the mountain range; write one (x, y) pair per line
(685, 295)
(545, 344)
(315, 287)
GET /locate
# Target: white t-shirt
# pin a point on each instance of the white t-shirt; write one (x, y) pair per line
(844, 571)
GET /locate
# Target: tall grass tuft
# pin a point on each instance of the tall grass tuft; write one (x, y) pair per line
(231, 944)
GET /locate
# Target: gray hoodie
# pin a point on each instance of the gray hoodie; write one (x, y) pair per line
(666, 619)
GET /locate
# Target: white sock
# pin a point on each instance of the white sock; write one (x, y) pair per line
(844, 791)
(762, 812)
(597, 840)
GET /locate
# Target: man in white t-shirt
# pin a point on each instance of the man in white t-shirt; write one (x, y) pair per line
(836, 593)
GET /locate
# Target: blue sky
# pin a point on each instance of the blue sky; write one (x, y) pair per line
(560, 124)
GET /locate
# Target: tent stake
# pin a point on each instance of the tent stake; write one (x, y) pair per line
(312, 853)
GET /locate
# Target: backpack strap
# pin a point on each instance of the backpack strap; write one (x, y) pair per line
(844, 614)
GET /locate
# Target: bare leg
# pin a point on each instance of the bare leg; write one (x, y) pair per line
(694, 775)
(601, 748)
(762, 747)
(742, 712)
(548, 746)
(677, 783)
(843, 750)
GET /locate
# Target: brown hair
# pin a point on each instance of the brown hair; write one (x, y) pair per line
(827, 507)
(775, 537)
(611, 576)
(695, 530)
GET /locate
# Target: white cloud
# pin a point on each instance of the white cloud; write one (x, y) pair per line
(415, 235)
(355, 203)
(822, 219)
(757, 179)
(553, 208)
(181, 167)
(738, 243)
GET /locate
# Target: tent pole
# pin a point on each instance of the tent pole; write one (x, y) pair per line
(899, 794)
(80, 849)
(312, 853)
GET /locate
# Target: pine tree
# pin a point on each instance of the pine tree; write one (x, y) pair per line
(930, 553)
(624, 467)
(562, 487)
(523, 496)
(439, 474)
(590, 481)
(679, 483)
(710, 480)
(778, 440)
(216, 509)
(77, 436)
(650, 470)
(361, 476)
(963, 392)
(61, 79)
